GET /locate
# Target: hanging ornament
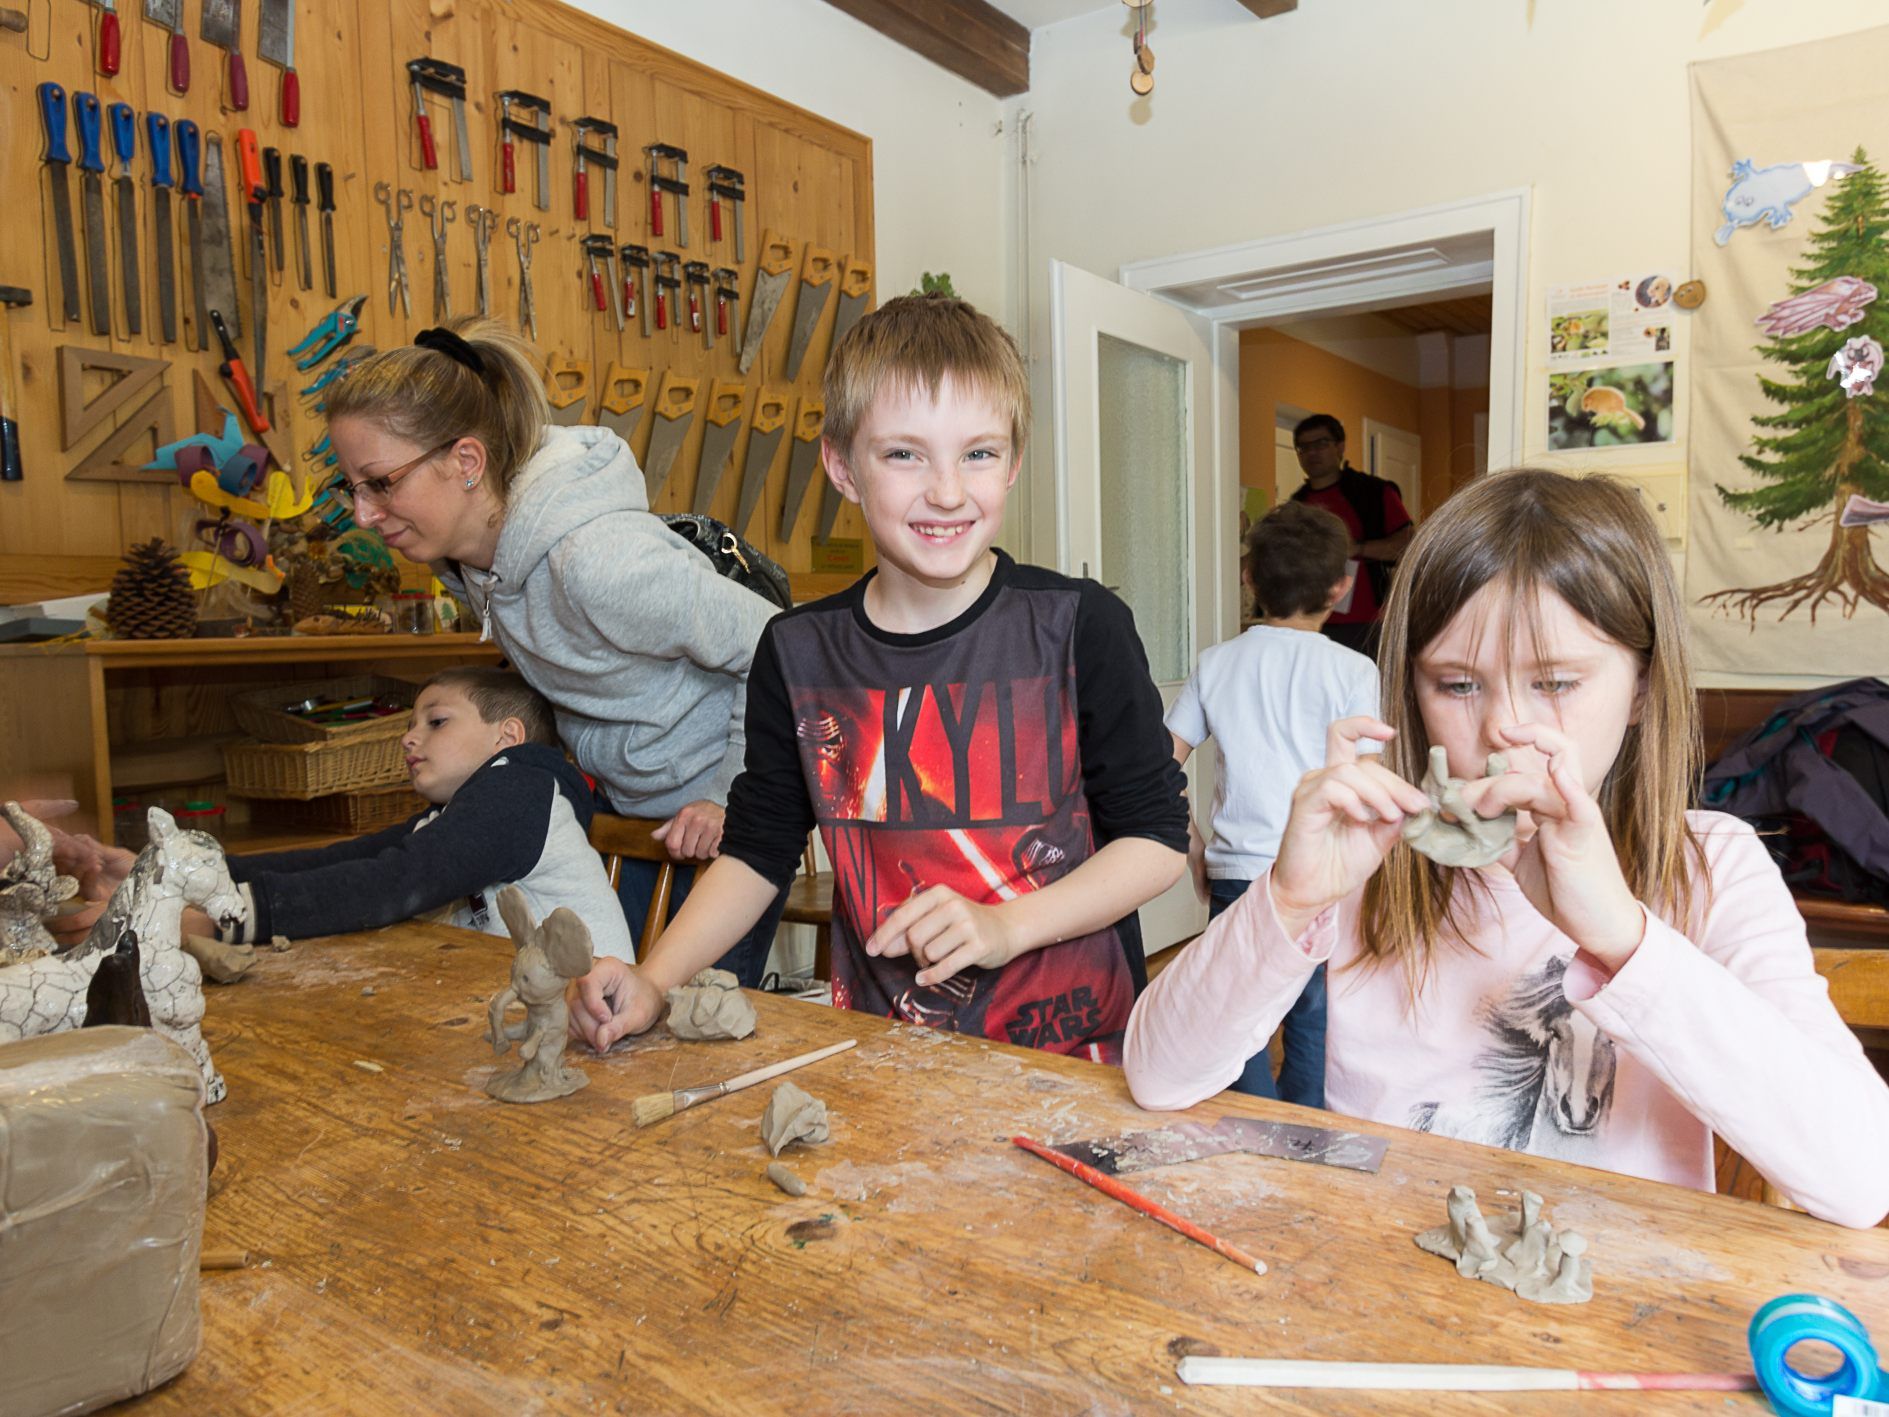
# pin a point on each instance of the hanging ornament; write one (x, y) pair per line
(1141, 77)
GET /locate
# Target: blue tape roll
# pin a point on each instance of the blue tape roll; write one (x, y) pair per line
(1791, 1319)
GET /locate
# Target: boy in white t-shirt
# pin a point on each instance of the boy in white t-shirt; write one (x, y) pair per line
(1267, 698)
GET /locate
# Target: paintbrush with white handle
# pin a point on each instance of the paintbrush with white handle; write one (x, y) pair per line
(658, 1105)
(1442, 1377)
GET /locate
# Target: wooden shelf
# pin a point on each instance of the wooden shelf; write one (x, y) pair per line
(268, 649)
(250, 838)
(168, 762)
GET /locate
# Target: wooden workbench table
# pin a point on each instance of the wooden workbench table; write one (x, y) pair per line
(419, 1248)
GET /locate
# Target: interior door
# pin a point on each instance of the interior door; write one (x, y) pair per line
(1396, 456)
(1138, 498)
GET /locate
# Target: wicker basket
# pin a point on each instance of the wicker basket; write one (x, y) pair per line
(300, 771)
(367, 809)
(260, 711)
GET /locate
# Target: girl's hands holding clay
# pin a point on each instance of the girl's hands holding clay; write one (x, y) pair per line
(1567, 866)
(1345, 816)
(944, 932)
(613, 1001)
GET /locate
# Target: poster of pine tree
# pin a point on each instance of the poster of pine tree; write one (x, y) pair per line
(1789, 450)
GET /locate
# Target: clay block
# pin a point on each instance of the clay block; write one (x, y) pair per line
(103, 1157)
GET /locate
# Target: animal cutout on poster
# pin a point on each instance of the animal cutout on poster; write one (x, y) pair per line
(1768, 194)
(1856, 366)
(1835, 305)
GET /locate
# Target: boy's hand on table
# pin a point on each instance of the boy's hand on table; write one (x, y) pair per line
(611, 1002)
(694, 833)
(944, 933)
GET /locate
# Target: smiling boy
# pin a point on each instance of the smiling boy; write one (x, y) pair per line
(979, 743)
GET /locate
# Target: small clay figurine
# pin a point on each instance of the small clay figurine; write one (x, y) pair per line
(1450, 833)
(31, 889)
(1573, 1281)
(1519, 1250)
(548, 955)
(710, 1006)
(792, 1115)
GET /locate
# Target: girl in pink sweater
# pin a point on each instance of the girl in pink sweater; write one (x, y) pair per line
(1626, 980)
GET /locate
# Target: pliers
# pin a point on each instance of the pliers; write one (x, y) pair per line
(336, 328)
(398, 202)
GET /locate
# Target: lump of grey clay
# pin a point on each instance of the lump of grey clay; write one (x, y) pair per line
(1469, 840)
(792, 1115)
(710, 1006)
(785, 1179)
(1519, 1251)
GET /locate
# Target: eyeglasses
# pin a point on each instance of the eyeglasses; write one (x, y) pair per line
(380, 490)
(1312, 445)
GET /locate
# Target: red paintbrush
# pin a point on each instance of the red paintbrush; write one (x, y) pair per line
(1109, 1186)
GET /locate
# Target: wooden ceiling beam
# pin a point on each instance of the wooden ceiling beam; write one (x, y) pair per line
(971, 38)
(1266, 9)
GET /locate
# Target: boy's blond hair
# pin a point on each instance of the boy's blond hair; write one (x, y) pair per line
(911, 343)
(499, 694)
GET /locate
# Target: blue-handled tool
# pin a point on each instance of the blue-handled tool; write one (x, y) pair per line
(87, 117)
(1791, 1319)
(334, 329)
(124, 126)
(157, 134)
(335, 371)
(190, 183)
(52, 117)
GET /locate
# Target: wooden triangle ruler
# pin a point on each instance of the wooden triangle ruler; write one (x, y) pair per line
(77, 417)
(108, 463)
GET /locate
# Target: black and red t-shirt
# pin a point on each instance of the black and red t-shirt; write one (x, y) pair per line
(993, 755)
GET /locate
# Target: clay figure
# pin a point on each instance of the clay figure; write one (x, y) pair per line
(548, 955)
(710, 1006)
(1518, 1250)
(176, 869)
(792, 1115)
(785, 1179)
(31, 889)
(220, 961)
(1450, 833)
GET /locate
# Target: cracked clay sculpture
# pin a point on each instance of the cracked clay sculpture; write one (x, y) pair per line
(1519, 1251)
(548, 955)
(710, 1006)
(31, 890)
(1450, 833)
(792, 1115)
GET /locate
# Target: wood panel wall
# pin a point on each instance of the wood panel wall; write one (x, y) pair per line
(808, 179)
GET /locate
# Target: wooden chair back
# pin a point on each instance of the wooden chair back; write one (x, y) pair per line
(617, 839)
(810, 902)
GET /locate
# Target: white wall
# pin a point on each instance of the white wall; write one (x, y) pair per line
(938, 155)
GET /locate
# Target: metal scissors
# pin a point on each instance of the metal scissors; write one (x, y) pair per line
(482, 220)
(397, 207)
(525, 235)
(439, 216)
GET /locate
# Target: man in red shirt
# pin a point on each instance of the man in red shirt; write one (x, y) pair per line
(1372, 512)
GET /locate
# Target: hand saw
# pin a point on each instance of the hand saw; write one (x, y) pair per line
(675, 411)
(218, 273)
(816, 287)
(1190, 1141)
(567, 388)
(764, 440)
(770, 283)
(855, 296)
(727, 401)
(801, 462)
(624, 392)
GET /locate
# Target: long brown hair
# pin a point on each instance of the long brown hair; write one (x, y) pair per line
(430, 398)
(1591, 542)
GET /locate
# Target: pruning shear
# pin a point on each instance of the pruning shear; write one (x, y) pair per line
(336, 328)
(323, 452)
(398, 204)
(482, 220)
(335, 371)
(439, 216)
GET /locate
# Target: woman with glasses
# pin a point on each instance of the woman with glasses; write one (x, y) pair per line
(642, 649)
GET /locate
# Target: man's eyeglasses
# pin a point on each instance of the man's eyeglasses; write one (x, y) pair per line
(380, 490)
(1312, 445)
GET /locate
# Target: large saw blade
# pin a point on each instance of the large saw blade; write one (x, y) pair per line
(855, 296)
(1190, 1141)
(802, 461)
(567, 389)
(816, 288)
(770, 283)
(675, 411)
(624, 394)
(727, 401)
(764, 440)
(218, 276)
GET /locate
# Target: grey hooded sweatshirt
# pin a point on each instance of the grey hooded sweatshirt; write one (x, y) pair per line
(640, 646)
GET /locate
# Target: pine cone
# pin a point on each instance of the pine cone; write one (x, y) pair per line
(151, 598)
(307, 596)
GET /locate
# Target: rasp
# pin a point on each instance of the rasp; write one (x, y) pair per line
(764, 440)
(675, 411)
(771, 275)
(52, 113)
(325, 204)
(1190, 1141)
(219, 255)
(298, 188)
(727, 401)
(87, 117)
(801, 462)
(157, 132)
(256, 191)
(124, 126)
(817, 271)
(272, 182)
(621, 407)
(190, 183)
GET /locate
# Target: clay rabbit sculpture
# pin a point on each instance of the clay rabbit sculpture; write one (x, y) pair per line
(548, 955)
